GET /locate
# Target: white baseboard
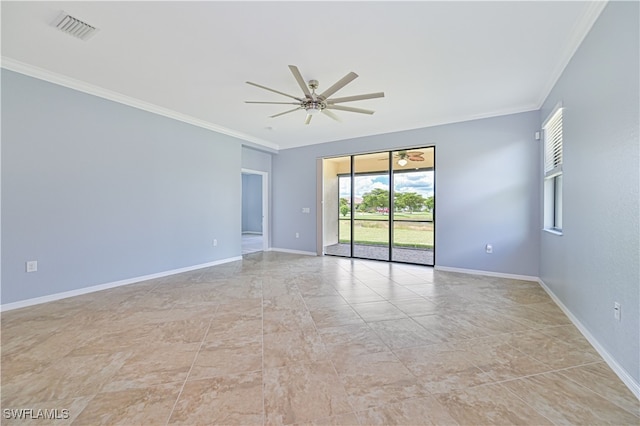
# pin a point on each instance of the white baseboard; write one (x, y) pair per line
(306, 253)
(610, 360)
(99, 287)
(486, 273)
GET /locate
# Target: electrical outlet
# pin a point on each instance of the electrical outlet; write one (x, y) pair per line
(215, 243)
(488, 248)
(617, 311)
(297, 235)
(32, 266)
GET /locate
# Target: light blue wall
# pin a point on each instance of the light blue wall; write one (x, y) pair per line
(596, 261)
(487, 191)
(97, 192)
(255, 159)
(252, 203)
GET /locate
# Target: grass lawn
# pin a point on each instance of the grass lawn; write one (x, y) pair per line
(406, 234)
(385, 217)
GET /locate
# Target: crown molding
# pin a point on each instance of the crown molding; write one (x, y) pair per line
(578, 33)
(59, 79)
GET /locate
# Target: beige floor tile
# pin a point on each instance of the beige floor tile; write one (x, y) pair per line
(151, 405)
(275, 339)
(378, 311)
(351, 340)
(538, 315)
(360, 294)
(153, 365)
(445, 328)
(394, 293)
(230, 330)
(526, 296)
(376, 379)
(70, 377)
(416, 306)
(225, 400)
(489, 405)
(315, 302)
(302, 393)
(402, 333)
(293, 347)
(283, 320)
(416, 411)
(500, 360)
(58, 412)
(563, 401)
(602, 380)
(335, 316)
(443, 367)
(550, 351)
(338, 420)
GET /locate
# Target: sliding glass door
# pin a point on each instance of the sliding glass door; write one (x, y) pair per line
(380, 206)
(371, 218)
(414, 202)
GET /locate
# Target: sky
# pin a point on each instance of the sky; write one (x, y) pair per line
(419, 182)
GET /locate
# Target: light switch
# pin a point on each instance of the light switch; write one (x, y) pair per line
(32, 266)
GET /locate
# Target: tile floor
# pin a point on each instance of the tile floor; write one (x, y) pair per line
(287, 339)
(251, 243)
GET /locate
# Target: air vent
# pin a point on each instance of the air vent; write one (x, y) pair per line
(74, 26)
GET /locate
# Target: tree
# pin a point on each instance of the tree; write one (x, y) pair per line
(343, 201)
(430, 203)
(344, 209)
(376, 198)
(410, 200)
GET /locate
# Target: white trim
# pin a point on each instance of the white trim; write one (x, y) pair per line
(578, 33)
(283, 250)
(610, 360)
(59, 79)
(486, 273)
(99, 287)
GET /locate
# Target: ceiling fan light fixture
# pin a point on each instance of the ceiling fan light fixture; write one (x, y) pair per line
(312, 103)
(402, 162)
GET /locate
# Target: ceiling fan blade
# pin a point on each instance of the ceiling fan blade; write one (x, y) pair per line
(356, 98)
(300, 80)
(275, 103)
(330, 114)
(274, 91)
(308, 119)
(286, 112)
(350, 109)
(339, 85)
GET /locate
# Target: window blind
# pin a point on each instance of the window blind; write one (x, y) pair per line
(553, 144)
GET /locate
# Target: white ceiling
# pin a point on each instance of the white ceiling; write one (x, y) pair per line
(437, 62)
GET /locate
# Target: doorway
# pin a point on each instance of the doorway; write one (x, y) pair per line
(254, 211)
(380, 206)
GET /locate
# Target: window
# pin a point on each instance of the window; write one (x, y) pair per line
(552, 130)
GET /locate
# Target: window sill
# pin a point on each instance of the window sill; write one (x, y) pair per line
(553, 231)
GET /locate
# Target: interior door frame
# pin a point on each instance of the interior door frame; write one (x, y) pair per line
(265, 205)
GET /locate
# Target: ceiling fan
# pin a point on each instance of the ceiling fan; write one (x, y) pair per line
(313, 103)
(405, 156)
